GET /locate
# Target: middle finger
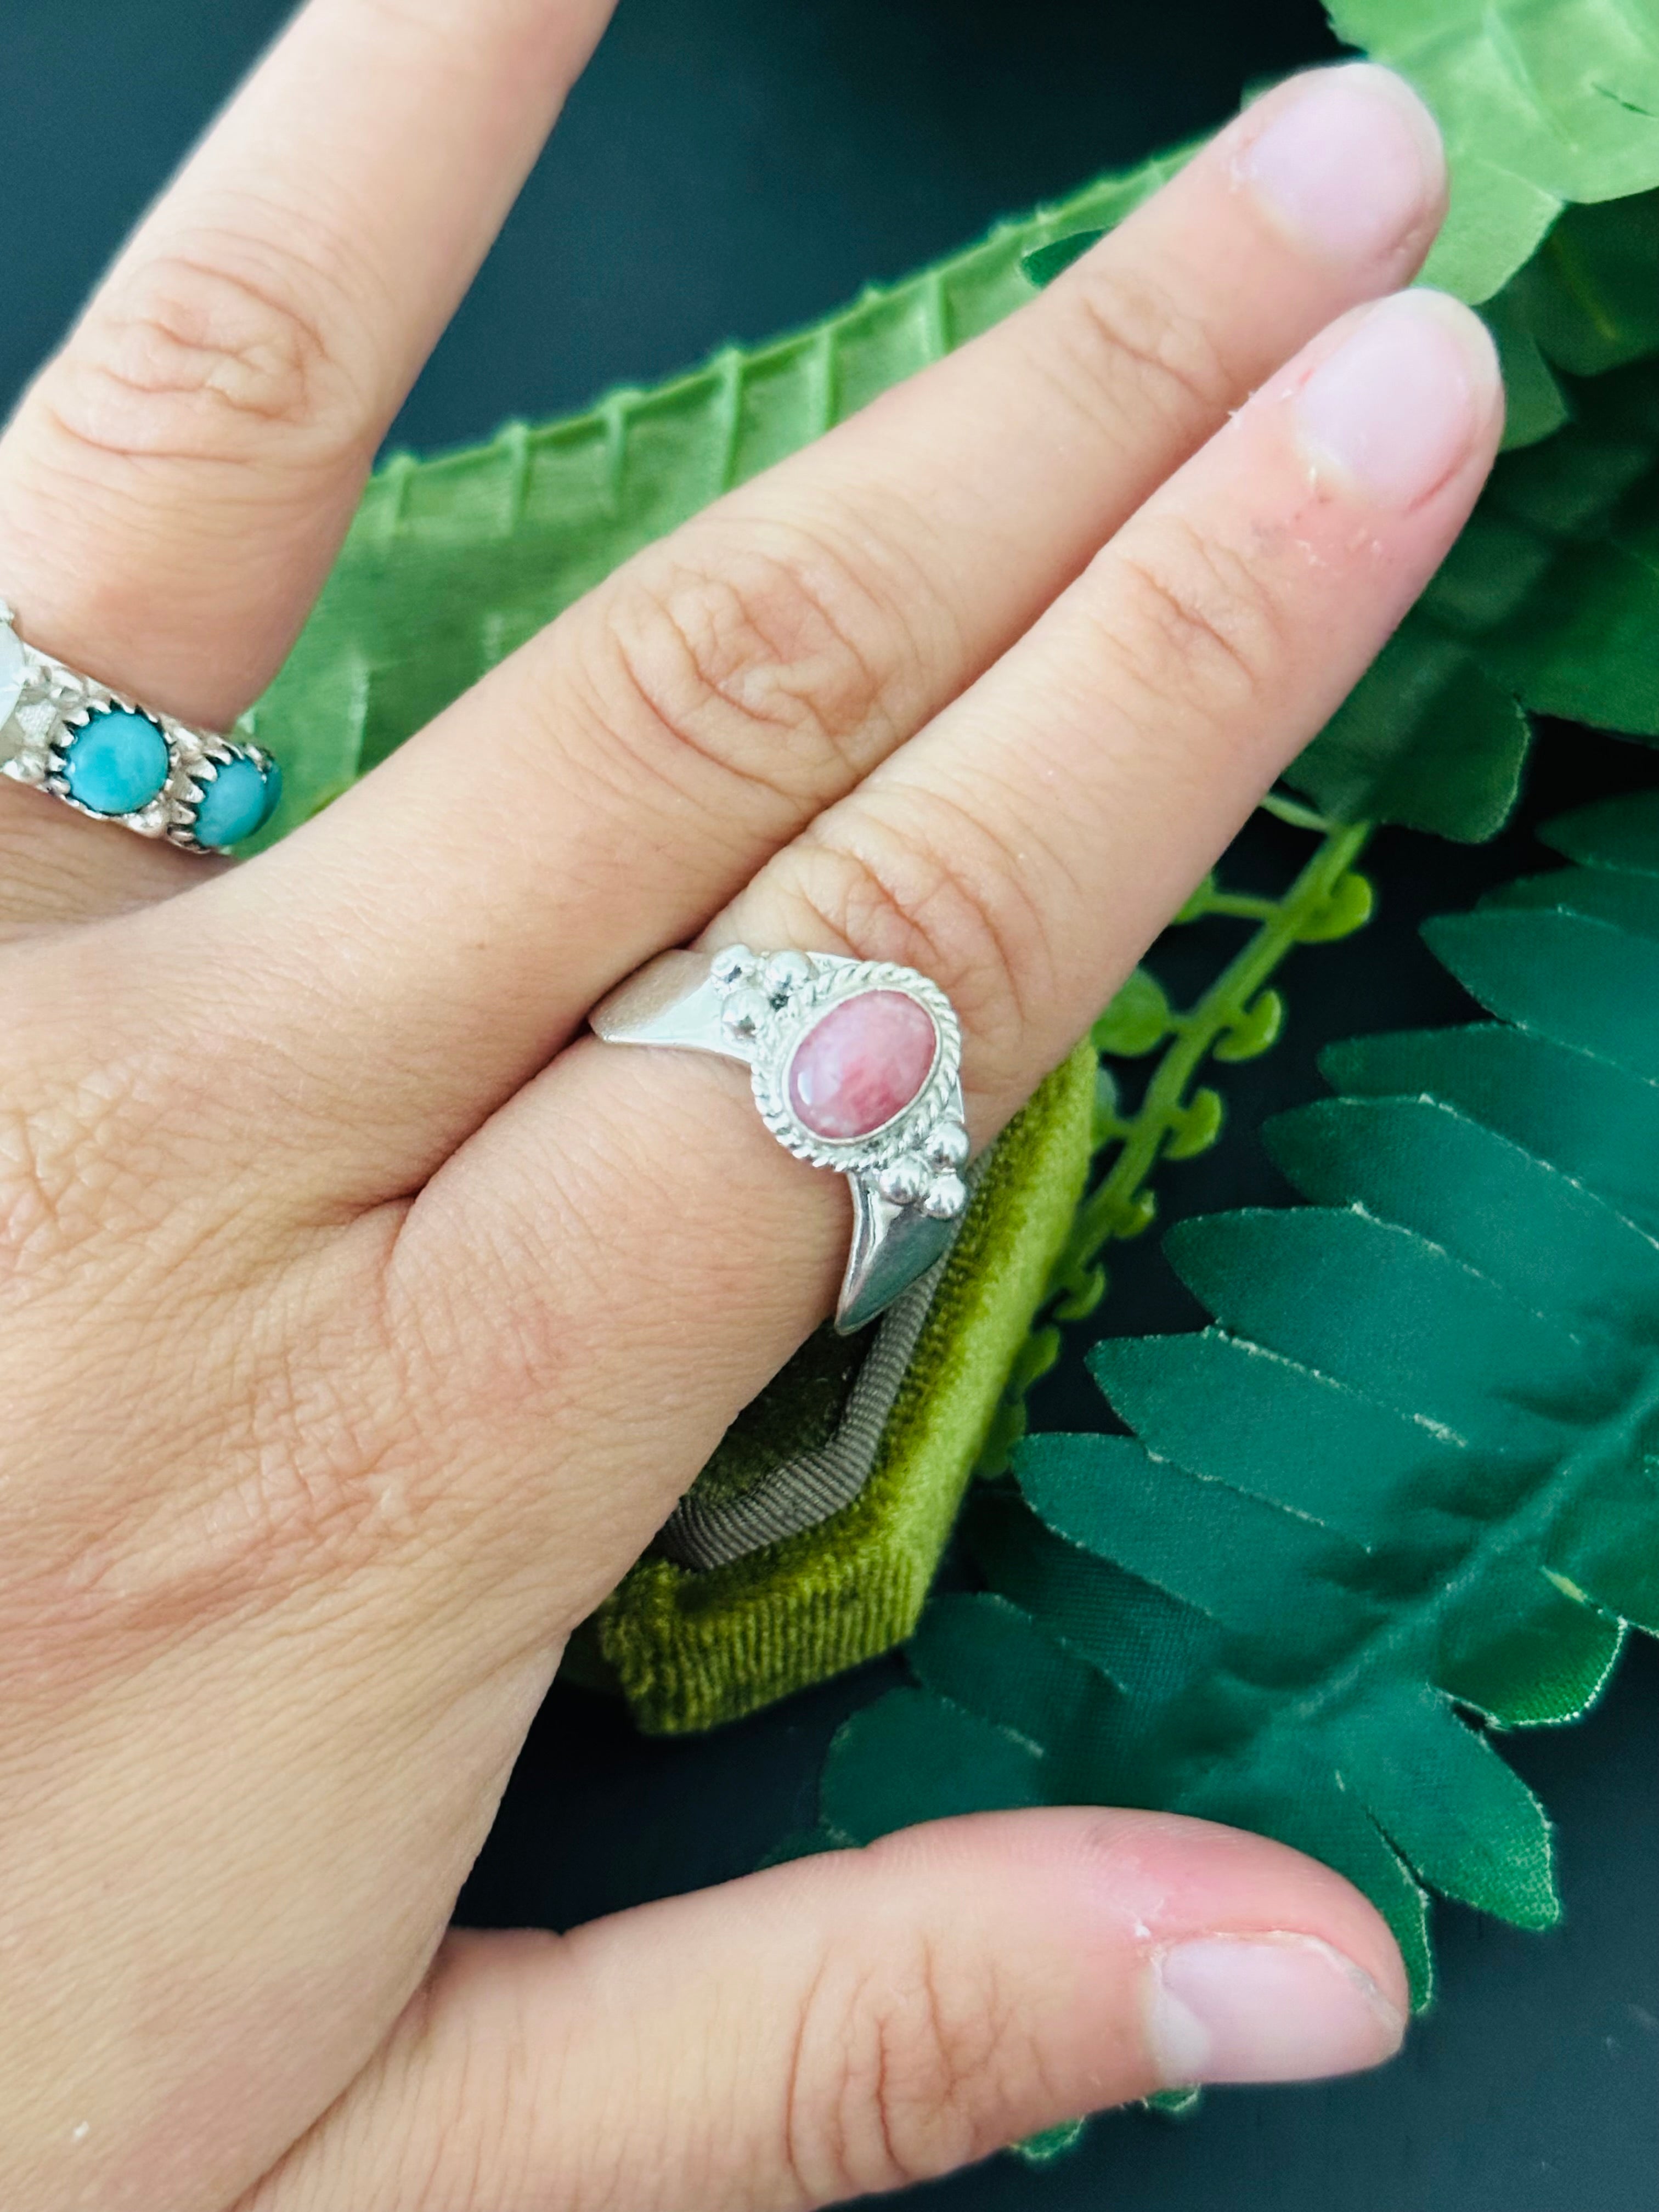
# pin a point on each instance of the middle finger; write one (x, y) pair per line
(609, 789)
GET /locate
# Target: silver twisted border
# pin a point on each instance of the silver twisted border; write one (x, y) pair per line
(772, 1004)
(57, 701)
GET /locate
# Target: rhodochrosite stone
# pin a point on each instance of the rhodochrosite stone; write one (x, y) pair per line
(861, 1065)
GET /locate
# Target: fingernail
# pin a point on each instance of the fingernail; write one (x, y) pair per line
(1400, 402)
(1264, 2009)
(1351, 165)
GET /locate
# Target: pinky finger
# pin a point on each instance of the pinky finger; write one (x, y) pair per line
(856, 2022)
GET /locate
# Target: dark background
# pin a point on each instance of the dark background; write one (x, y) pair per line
(729, 168)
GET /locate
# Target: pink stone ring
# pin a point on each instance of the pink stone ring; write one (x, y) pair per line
(856, 1064)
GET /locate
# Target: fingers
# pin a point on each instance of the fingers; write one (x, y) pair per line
(608, 789)
(1027, 847)
(1023, 851)
(854, 2023)
(174, 487)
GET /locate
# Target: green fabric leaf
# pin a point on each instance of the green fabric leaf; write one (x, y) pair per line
(1535, 406)
(1044, 262)
(1625, 897)
(1589, 299)
(913, 1757)
(1619, 833)
(1464, 1820)
(1144, 1641)
(1539, 105)
(1576, 981)
(1531, 1653)
(1602, 1549)
(1043, 2149)
(1426, 739)
(1413, 1328)
(989, 1656)
(1514, 1219)
(1330, 1455)
(1597, 1123)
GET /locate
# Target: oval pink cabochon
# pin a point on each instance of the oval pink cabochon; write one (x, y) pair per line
(862, 1064)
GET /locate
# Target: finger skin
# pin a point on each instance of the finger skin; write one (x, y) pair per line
(844, 2025)
(174, 486)
(607, 790)
(1123, 742)
(1023, 853)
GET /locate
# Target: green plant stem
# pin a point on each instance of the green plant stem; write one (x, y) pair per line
(1114, 1207)
(1121, 1205)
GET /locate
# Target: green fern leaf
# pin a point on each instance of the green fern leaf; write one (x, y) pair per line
(1403, 1493)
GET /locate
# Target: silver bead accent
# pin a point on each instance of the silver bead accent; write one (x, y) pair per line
(745, 1012)
(907, 1181)
(946, 1196)
(948, 1146)
(736, 964)
(785, 972)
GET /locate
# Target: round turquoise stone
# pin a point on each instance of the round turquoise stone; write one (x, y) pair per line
(238, 801)
(117, 763)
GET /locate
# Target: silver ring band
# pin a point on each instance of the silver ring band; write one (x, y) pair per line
(856, 1064)
(103, 753)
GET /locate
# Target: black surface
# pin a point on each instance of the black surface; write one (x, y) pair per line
(732, 166)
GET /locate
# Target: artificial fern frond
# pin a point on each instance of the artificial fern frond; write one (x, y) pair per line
(1402, 1494)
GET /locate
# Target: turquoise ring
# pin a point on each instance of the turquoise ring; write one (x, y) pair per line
(106, 756)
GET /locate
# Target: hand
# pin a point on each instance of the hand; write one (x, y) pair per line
(361, 1322)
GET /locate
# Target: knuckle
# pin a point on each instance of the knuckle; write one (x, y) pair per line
(198, 359)
(1194, 617)
(937, 887)
(902, 2070)
(1120, 342)
(784, 668)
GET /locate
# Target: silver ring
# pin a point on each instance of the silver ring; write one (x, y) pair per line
(103, 753)
(856, 1064)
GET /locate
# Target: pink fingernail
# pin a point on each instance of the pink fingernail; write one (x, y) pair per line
(1351, 163)
(1398, 405)
(1264, 2009)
